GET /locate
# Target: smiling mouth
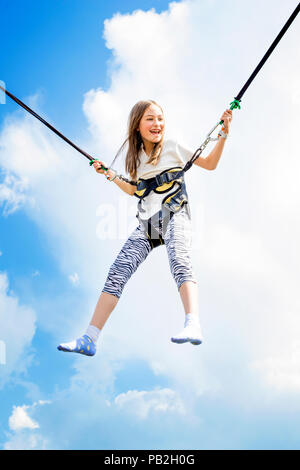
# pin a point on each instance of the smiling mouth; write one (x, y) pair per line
(157, 132)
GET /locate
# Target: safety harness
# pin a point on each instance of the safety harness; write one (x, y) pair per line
(156, 226)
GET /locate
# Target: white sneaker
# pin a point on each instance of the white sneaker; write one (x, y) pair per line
(191, 333)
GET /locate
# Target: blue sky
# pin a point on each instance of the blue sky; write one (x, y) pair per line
(59, 51)
(80, 65)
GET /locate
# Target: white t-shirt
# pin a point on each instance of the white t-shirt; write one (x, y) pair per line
(172, 155)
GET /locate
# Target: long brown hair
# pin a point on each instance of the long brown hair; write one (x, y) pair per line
(135, 141)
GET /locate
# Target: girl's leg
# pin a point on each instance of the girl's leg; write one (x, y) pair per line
(105, 305)
(178, 241)
(189, 296)
(133, 253)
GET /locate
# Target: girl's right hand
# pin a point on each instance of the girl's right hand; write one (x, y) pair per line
(109, 174)
(98, 166)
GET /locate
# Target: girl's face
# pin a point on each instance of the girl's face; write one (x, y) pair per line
(152, 125)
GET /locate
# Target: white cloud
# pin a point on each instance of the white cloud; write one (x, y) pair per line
(281, 371)
(142, 403)
(26, 441)
(21, 420)
(17, 328)
(23, 427)
(13, 194)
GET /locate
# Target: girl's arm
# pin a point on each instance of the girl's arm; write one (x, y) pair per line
(126, 187)
(211, 161)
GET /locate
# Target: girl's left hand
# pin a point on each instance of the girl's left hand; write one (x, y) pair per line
(227, 118)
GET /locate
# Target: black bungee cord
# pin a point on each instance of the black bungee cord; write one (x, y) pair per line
(45, 122)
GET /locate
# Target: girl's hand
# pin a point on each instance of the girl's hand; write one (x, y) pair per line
(108, 173)
(227, 118)
(97, 165)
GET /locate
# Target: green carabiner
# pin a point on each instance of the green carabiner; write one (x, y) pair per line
(235, 104)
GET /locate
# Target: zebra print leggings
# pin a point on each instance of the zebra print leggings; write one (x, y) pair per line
(178, 241)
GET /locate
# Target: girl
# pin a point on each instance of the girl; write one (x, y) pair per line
(155, 166)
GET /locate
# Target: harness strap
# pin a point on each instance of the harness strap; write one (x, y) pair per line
(162, 219)
(148, 185)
